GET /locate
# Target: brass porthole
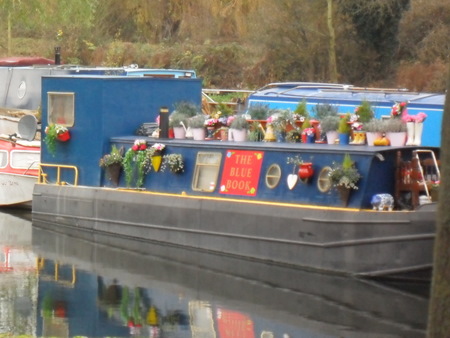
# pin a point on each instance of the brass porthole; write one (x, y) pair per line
(323, 181)
(273, 176)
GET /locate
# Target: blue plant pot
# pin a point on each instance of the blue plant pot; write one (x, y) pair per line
(344, 138)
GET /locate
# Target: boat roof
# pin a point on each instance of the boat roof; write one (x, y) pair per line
(326, 91)
(21, 61)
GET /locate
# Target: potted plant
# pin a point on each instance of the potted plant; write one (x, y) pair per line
(322, 110)
(135, 163)
(344, 129)
(344, 177)
(238, 128)
(294, 135)
(54, 133)
(259, 112)
(329, 126)
(374, 130)
(197, 125)
(281, 120)
(112, 163)
(174, 162)
(301, 112)
(395, 131)
(178, 121)
(364, 112)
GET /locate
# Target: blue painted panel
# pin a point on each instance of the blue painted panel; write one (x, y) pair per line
(108, 106)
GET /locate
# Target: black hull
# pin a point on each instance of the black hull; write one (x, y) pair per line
(334, 240)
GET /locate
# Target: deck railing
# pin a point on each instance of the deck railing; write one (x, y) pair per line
(43, 177)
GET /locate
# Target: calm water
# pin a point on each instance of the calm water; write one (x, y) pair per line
(60, 285)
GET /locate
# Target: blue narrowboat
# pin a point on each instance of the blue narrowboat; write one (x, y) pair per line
(240, 199)
(346, 98)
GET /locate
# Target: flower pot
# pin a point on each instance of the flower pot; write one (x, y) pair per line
(332, 136)
(224, 134)
(397, 139)
(179, 133)
(63, 137)
(344, 139)
(305, 171)
(239, 135)
(156, 162)
(198, 134)
(372, 136)
(113, 173)
(344, 194)
(310, 138)
(210, 131)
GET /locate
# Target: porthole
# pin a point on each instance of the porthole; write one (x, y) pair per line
(323, 181)
(273, 176)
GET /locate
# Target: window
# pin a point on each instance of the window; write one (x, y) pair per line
(206, 171)
(61, 108)
(3, 158)
(25, 159)
(273, 175)
(323, 181)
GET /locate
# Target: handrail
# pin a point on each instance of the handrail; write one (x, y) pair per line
(42, 178)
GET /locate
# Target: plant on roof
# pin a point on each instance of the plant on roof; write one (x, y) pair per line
(329, 123)
(344, 125)
(239, 122)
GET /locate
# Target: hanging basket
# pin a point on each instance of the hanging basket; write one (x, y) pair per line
(344, 194)
(63, 137)
(113, 173)
(156, 162)
(305, 171)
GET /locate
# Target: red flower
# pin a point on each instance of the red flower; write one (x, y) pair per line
(135, 147)
(143, 147)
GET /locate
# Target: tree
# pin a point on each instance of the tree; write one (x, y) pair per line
(439, 310)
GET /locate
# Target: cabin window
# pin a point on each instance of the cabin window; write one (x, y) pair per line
(273, 176)
(3, 158)
(25, 159)
(206, 171)
(323, 181)
(61, 108)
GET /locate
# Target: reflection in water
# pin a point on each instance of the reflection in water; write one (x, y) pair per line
(62, 285)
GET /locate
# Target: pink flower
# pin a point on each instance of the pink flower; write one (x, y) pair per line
(421, 117)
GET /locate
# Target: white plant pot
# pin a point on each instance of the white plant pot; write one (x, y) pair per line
(397, 139)
(372, 136)
(179, 132)
(332, 136)
(198, 134)
(239, 135)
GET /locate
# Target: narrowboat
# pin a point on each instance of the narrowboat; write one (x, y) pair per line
(20, 157)
(345, 98)
(271, 202)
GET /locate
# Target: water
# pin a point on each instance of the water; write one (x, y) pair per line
(61, 285)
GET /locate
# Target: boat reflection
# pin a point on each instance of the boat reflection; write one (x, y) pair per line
(109, 286)
(61, 285)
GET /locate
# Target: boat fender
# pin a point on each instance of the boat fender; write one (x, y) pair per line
(382, 202)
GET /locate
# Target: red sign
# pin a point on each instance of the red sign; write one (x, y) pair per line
(241, 172)
(232, 324)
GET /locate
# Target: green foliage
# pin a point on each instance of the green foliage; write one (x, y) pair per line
(259, 112)
(323, 110)
(345, 174)
(50, 138)
(114, 157)
(344, 127)
(329, 123)
(174, 162)
(239, 123)
(134, 166)
(301, 109)
(197, 121)
(364, 111)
